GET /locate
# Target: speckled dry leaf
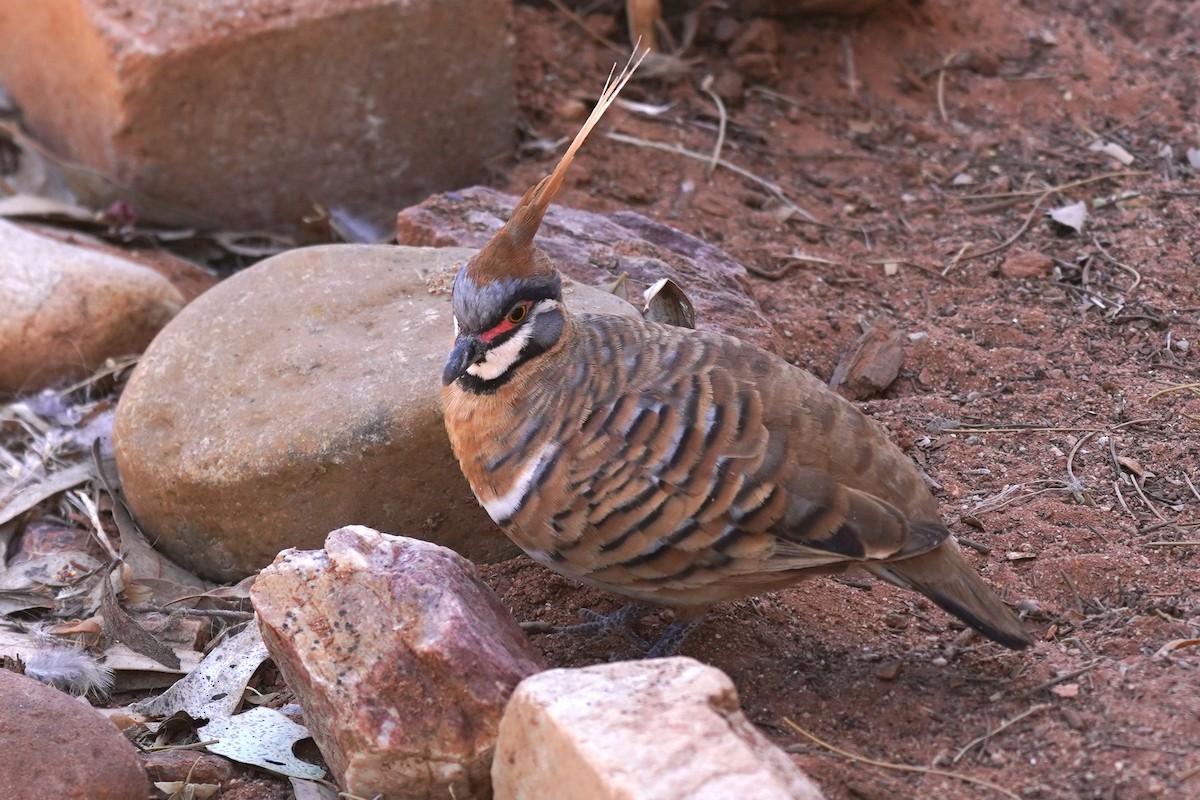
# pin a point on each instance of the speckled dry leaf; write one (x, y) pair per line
(262, 737)
(214, 689)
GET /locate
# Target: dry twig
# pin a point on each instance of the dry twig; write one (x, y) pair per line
(706, 86)
(941, 87)
(578, 20)
(959, 259)
(988, 734)
(900, 767)
(1066, 676)
(1062, 187)
(734, 168)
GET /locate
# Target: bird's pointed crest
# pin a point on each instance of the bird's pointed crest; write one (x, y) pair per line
(510, 253)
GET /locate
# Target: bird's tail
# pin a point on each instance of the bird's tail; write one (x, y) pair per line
(945, 577)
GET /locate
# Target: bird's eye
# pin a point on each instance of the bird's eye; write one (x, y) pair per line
(518, 313)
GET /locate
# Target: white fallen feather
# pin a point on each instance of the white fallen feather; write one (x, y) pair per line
(68, 669)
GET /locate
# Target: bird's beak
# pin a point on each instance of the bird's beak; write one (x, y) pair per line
(467, 350)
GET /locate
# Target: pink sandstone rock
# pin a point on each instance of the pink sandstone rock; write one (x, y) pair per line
(401, 658)
(659, 729)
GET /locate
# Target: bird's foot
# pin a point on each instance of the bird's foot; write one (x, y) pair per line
(621, 623)
(672, 637)
(598, 625)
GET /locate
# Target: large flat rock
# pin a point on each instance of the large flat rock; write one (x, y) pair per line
(299, 396)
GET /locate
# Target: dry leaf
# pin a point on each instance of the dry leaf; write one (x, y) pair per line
(1134, 466)
(1113, 150)
(27, 206)
(262, 737)
(668, 304)
(182, 790)
(125, 629)
(1072, 216)
(215, 688)
(1173, 645)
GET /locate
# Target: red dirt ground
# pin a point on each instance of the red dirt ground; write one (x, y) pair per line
(1050, 386)
(1039, 382)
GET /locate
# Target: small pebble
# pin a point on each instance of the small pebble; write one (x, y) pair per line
(572, 109)
(1072, 718)
(888, 670)
(939, 662)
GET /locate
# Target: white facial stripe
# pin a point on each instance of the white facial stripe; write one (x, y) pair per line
(499, 359)
(502, 508)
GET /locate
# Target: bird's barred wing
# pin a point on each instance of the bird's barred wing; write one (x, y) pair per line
(684, 468)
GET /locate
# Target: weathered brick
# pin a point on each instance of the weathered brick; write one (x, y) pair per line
(249, 111)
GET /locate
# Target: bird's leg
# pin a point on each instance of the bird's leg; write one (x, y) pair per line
(672, 637)
(599, 625)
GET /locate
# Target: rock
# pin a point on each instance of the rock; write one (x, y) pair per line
(248, 113)
(662, 729)
(189, 278)
(871, 363)
(596, 248)
(298, 396)
(189, 766)
(1027, 266)
(53, 745)
(68, 308)
(401, 658)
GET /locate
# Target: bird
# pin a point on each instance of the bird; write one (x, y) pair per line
(670, 466)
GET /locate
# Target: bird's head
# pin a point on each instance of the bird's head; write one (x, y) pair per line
(508, 298)
(502, 318)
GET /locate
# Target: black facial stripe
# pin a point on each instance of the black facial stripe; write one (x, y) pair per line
(546, 331)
